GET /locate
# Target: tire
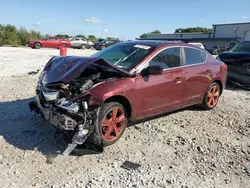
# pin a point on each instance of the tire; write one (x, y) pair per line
(211, 97)
(104, 133)
(83, 47)
(37, 45)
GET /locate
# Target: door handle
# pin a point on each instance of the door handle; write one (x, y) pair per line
(178, 80)
(208, 72)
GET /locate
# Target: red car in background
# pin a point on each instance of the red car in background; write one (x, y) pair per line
(49, 42)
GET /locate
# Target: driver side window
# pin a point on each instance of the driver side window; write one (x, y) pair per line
(168, 58)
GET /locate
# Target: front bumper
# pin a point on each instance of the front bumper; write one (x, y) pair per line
(52, 116)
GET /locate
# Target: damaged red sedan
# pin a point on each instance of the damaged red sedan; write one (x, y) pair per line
(93, 98)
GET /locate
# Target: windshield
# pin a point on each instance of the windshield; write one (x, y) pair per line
(241, 47)
(124, 55)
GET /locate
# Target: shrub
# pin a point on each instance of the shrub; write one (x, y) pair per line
(10, 35)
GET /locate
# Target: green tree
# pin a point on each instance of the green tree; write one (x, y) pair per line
(100, 39)
(23, 35)
(9, 35)
(93, 38)
(193, 30)
(81, 36)
(144, 35)
(34, 35)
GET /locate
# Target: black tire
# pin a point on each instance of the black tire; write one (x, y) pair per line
(205, 103)
(37, 45)
(83, 47)
(97, 137)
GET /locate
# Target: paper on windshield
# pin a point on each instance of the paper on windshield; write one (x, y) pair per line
(142, 46)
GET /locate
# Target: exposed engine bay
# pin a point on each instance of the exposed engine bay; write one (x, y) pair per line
(54, 102)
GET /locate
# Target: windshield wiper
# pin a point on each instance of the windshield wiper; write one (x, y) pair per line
(125, 58)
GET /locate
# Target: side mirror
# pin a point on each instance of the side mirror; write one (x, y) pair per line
(152, 70)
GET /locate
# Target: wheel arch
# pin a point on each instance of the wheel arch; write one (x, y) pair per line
(37, 42)
(123, 101)
(63, 43)
(219, 82)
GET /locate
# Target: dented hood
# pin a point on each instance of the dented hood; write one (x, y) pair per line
(66, 68)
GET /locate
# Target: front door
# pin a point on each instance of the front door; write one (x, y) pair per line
(197, 76)
(161, 93)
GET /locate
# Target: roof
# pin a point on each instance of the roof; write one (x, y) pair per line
(232, 23)
(153, 43)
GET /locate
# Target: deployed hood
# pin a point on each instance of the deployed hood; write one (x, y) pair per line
(66, 68)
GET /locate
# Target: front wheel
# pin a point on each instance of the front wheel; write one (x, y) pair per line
(211, 97)
(112, 121)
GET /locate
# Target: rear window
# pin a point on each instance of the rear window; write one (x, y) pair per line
(194, 56)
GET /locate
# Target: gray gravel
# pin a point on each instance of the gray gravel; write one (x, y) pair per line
(188, 148)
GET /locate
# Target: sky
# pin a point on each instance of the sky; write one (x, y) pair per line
(125, 19)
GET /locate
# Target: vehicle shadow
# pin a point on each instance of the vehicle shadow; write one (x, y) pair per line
(27, 131)
(190, 108)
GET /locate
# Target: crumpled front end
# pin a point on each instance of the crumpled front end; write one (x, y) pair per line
(73, 118)
(63, 95)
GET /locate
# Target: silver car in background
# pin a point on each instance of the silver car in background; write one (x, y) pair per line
(80, 43)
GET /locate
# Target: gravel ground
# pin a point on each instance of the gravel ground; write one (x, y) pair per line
(188, 148)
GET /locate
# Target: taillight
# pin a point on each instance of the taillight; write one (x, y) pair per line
(224, 67)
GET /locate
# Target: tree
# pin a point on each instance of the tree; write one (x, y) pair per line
(34, 35)
(81, 36)
(23, 35)
(144, 35)
(100, 39)
(93, 38)
(193, 30)
(9, 35)
(155, 32)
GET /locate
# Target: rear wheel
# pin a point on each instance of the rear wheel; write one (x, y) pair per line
(112, 121)
(83, 46)
(211, 97)
(37, 45)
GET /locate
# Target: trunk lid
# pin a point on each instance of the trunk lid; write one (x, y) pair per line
(66, 68)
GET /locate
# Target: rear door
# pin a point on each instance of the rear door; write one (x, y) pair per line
(197, 75)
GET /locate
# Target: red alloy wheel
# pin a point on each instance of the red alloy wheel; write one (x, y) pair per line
(213, 96)
(113, 124)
